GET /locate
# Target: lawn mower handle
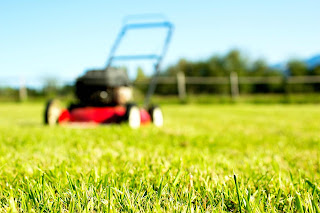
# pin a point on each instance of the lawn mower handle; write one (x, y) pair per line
(158, 57)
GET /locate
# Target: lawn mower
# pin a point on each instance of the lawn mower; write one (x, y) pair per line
(105, 96)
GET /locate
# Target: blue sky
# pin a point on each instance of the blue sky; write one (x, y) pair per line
(62, 39)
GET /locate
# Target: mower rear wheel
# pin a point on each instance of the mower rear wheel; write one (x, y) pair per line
(52, 112)
(156, 116)
(133, 116)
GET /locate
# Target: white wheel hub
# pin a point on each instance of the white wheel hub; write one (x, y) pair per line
(53, 113)
(157, 117)
(134, 119)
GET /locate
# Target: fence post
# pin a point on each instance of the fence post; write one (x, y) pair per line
(181, 83)
(23, 94)
(234, 85)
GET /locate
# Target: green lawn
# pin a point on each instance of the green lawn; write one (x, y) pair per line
(189, 164)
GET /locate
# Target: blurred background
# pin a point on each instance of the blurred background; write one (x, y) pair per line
(240, 51)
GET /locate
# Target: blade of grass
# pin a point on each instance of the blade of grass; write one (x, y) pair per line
(238, 193)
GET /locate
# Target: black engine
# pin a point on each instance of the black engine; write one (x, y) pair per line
(103, 87)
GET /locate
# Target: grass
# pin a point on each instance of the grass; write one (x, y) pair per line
(245, 158)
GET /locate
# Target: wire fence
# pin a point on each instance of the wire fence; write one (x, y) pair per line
(234, 81)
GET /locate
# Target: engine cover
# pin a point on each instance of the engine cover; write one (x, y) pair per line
(100, 87)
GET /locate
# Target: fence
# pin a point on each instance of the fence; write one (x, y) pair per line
(233, 80)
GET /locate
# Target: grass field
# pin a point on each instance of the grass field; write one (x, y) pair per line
(273, 152)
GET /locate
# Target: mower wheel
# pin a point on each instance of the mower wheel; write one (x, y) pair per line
(156, 116)
(133, 116)
(52, 112)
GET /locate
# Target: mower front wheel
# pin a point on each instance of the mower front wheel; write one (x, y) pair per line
(133, 116)
(52, 112)
(156, 116)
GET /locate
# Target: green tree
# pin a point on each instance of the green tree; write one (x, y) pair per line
(140, 77)
(140, 74)
(316, 71)
(297, 67)
(235, 62)
(260, 69)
